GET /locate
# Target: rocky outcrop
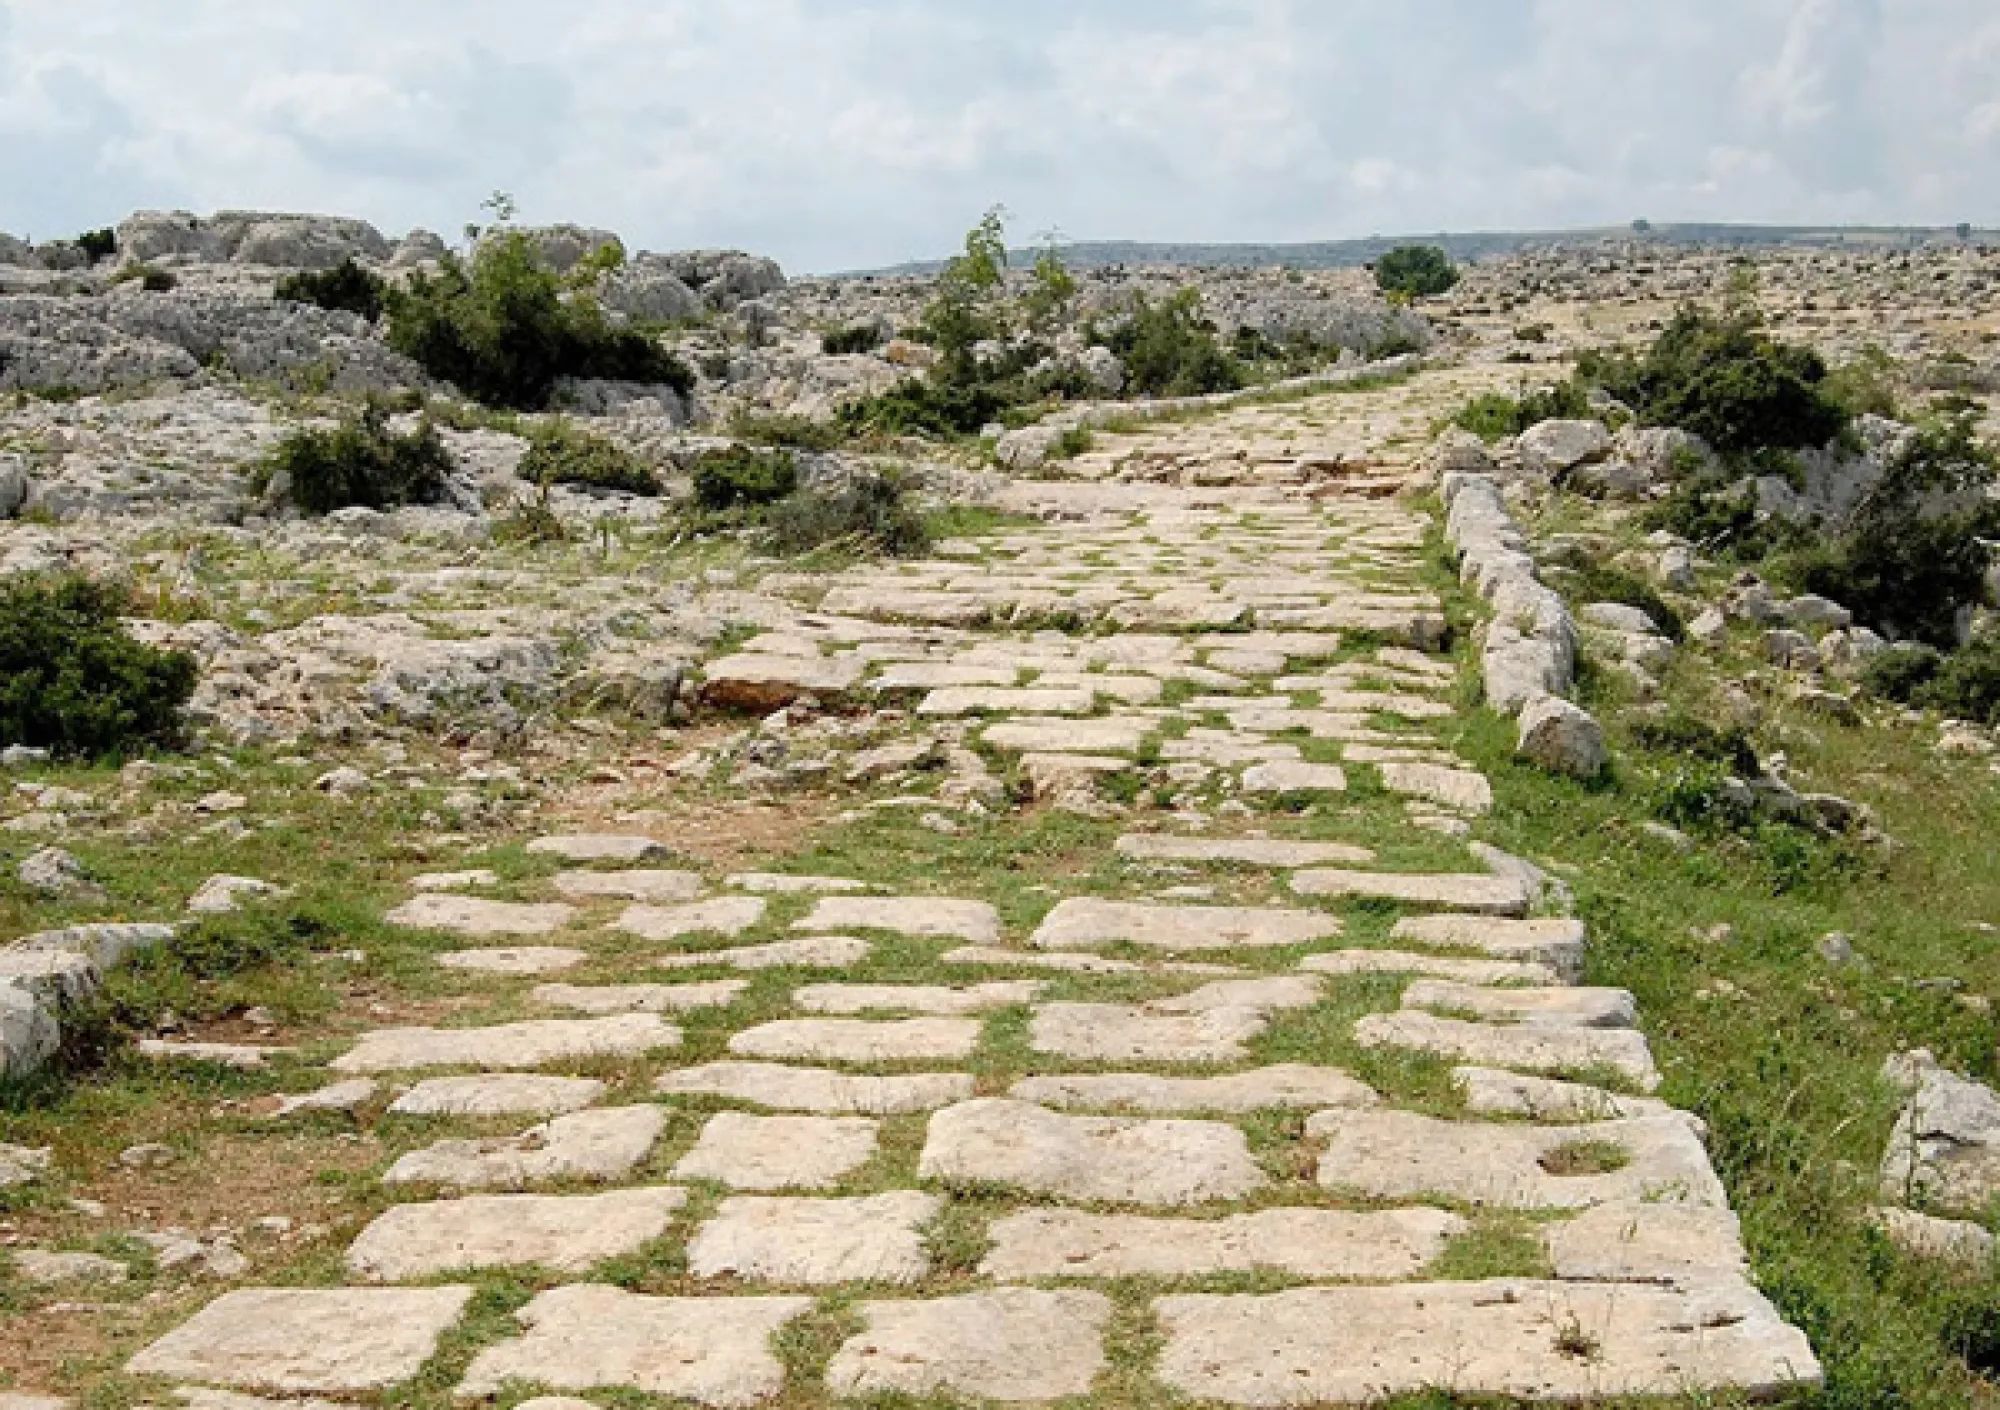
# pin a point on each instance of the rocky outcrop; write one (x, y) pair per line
(249, 237)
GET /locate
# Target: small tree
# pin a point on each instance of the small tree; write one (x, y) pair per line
(1642, 226)
(1965, 230)
(74, 680)
(1054, 286)
(961, 316)
(361, 462)
(1415, 272)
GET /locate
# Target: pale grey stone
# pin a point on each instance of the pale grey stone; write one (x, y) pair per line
(859, 1039)
(1479, 892)
(816, 1242)
(1562, 738)
(475, 915)
(245, 1057)
(1490, 1092)
(1305, 1243)
(651, 886)
(220, 895)
(46, 1268)
(779, 1152)
(337, 1096)
(1459, 789)
(1133, 1033)
(498, 1094)
(974, 922)
(586, 1145)
(1244, 851)
(566, 1233)
(1106, 735)
(817, 952)
(1287, 1085)
(598, 847)
(1084, 922)
(1547, 1007)
(641, 998)
(725, 915)
(1554, 941)
(1011, 1345)
(1294, 776)
(515, 960)
(1552, 1051)
(817, 1089)
(1945, 1146)
(782, 884)
(1436, 966)
(1646, 1243)
(941, 1000)
(509, 1046)
(1957, 1241)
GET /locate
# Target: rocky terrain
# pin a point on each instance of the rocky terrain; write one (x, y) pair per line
(1278, 900)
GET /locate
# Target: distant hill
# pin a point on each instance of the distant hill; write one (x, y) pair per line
(1348, 254)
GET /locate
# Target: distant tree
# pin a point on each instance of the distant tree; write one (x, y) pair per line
(1415, 272)
(1965, 230)
(960, 316)
(1054, 285)
(1642, 226)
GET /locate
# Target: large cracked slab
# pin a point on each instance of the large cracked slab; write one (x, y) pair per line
(1135, 1033)
(1085, 922)
(811, 952)
(1035, 1244)
(1480, 892)
(1491, 1092)
(1450, 967)
(307, 1340)
(498, 1094)
(860, 1039)
(792, 1242)
(509, 1046)
(1555, 941)
(940, 917)
(601, 1145)
(475, 915)
(1016, 1145)
(1012, 1345)
(1404, 1155)
(1646, 1243)
(1461, 790)
(1549, 1051)
(602, 999)
(818, 1090)
(779, 1152)
(1240, 851)
(724, 915)
(1539, 1341)
(567, 1233)
(651, 886)
(939, 1000)
(1291, 1086)
(587, 1337)
(1544, 1007)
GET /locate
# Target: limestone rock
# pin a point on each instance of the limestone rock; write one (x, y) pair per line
(860, 1040)
(509, 1046)
(1288, 1085)
(1549, 1051)
(652, 886)
(1562, 738)
(474, 915)
(725, 915)
(1243, 851)
(567, 1233)
(816, 1242)
(974, 922)
(641, 998)
(817, 1089)
(1133, 1033)
(1558, 1007)
(1085, 922)
(498, 1094)
(1006, 1344)
(1945, 1147)
(1477, 892)
(1319, 1244)
(779, 1152)
(598, 847)
(599, 1145)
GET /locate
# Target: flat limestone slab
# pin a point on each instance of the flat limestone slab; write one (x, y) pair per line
(709, 1350)
(1437, 966)
(599, 1145)
(1292, 1086)
(860, 1039)
(1461, 790)
(817, 1089)
(568, 1233)
(1550, 1051)
(814, 952)
(943, 1000)
(1011, 1345)
(1111, 735)
(498, 1094)
(1083, 922)
(1354, 1346)
(816, 1242)
(765, 683)
(1491, 1092)
(1555, 941)
(1479, 892)
(1306, 1243)
(974, 922)
(1133, 1033)
(509, 1046)
(952, 702)
(1240, 851)
(309, 1340)
(1403, 1155)
(475, 915)
(515, 960)
(1646, 1243)
(655, 887)
(769, 883)
(1294, 776)
(1267, 995)
(994, 1141)
(598, 847)
(778, 1152)
(1548, 1007)
(724, 915)
(641, 998)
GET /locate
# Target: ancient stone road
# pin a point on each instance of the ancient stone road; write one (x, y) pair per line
(1033, 1152)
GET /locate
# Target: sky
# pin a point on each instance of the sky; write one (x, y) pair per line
(844, 134)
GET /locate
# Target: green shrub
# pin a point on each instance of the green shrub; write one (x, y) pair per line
(1901, 672)
(1968, 685)
(1170, 349)
(563, 453)
(345, 288)
(1415, 272)
(742, 478)
(925, 407)
(871, 514)
(74, 680)
(359, 462)
(1495, 415)
(531, 520)
(505, 329)
(861, 338)
(1687, 737)
(784, 429)
(1726, 380)
(148, 277)
(98, 245)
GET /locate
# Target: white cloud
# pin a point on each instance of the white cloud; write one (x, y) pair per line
(837, 133)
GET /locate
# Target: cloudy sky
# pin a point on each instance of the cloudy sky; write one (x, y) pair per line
(847, 133)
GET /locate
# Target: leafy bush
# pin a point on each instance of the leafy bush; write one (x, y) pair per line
(1726, 380)
(925, 407)
(1685, 736)
(964, 313)
(345, 288)
(74, 680)
(871, 514)
(861, 338)
(148, 277)
(784, 429)
(359, 462)
(1415, 272)
(563, 453)
(742, 478)
(1169, 349)
(1052, 288)
(1495, 415)
(1968, 686)
(505, 329)
(98, 245)
(1901, 672)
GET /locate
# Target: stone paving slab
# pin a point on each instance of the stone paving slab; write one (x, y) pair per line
(1480, 892)
(1288, 776)
(814, 952)
(778, 1152)
(938, 1000)
(307, 1340)
(1015, 1145)
(509, 1046)
(1437, 966)
(566, 1233)
(587, 1337)
(602, 999)
(1646, 1243)
(1087, 736)
(1461, 790)
(1491, 1092)
(724, 915)
(860, 1039)
(475, 915)
(818, 1090)
(974, 922)
(1034, 1244)
(515, 961)
(654, 887)
(1545, 1007)
(954, 702)
(1554, 941)
(1085, 922)
(1133, 1033)
(1548, 1051)
(1405, 1155)
(993, 957)
(498, 1094)
(766, 883)
(599, 1145)
(598, 847)
(1241, 851)
(1511, 1338)
(1012, 1345)
(791, 1242)
(1292, 1086)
